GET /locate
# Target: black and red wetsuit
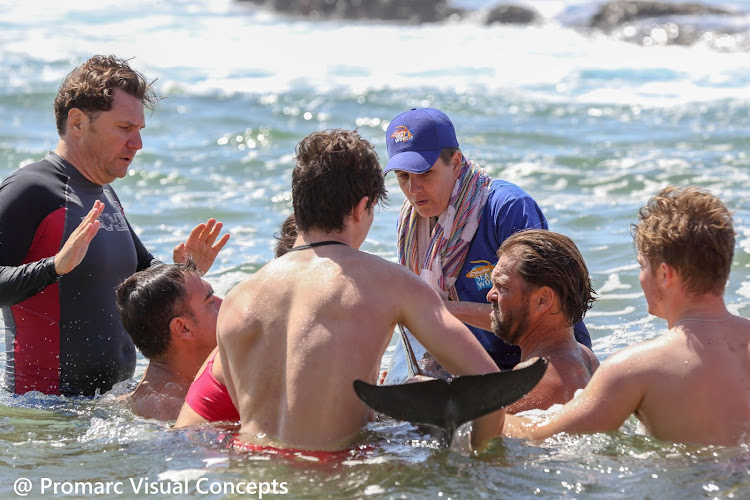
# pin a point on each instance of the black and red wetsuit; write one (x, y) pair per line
(63, 335)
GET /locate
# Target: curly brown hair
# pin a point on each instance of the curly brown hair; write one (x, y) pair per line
(90, 87)
(546, 258)
(335, 169)
(691, 230)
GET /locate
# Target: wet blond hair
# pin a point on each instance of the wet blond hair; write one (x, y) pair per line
(691, 230)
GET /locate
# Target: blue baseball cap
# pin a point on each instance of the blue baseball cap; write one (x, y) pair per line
(415, 139)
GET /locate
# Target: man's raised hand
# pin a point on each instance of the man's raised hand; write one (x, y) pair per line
(200, 245)
(75, 248)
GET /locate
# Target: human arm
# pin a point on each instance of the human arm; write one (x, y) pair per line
(206, 401)
(18, 283)
(233, 340)
(512, 209)
(451, 344)
(476, 314)
(613, 394)
(187, 417)
(200, 246)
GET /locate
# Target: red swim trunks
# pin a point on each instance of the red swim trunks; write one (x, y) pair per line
(319, 456)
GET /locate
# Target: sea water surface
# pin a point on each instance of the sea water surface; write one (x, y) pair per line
(588, 124)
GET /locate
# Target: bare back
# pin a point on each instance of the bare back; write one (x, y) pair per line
(699, 383)
(570, 367)
(294, 337)
(692, 384)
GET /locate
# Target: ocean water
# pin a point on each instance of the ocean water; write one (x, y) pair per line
(589, 124)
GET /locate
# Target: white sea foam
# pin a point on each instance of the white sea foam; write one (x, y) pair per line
(233, 48)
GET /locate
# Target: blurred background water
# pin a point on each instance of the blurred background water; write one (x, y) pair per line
(589, 123)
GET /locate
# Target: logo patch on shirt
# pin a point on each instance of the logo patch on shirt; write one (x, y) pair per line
(402, 134)
(481, 274)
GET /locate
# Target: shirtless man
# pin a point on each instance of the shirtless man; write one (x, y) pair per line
(207, 400)
(540, 289)
(293, 338)
(692, 383)
(170, 312)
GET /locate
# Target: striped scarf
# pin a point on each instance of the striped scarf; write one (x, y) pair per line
(438, 257)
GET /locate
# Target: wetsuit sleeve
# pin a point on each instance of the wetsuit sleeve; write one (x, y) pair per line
(26, 202)
(19, 283)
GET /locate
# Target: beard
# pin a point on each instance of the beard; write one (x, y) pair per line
(510, 327)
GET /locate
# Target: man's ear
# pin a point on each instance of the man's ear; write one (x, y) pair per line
(666, 274)
(360, 208)
(542, 299)
(76, 121)
(180, 327)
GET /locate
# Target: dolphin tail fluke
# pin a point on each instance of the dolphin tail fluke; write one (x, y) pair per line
(449, 404)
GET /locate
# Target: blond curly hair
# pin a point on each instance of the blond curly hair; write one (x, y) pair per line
(691, 230)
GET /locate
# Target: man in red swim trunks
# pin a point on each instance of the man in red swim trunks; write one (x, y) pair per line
(293, 337)
(207, 400)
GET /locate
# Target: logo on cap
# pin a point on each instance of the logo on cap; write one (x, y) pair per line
(402, 134)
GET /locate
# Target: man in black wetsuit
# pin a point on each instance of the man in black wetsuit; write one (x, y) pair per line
(65, 243)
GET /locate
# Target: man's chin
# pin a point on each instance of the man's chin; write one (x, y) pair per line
(499, 333)
(120, 173)
(496, 329)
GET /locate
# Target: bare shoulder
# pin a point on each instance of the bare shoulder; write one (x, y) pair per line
(391, 275)
(237, 309)
(738, 332)
(159, 405)
(641, 359)
(383, 265)
(589, 358)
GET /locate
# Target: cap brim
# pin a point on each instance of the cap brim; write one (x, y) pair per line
(415, 162)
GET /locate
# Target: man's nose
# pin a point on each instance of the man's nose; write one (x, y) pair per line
(135, 141)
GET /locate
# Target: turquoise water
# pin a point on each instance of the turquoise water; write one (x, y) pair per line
(589, 125)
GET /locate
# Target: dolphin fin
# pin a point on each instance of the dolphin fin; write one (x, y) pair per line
(447, 405)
